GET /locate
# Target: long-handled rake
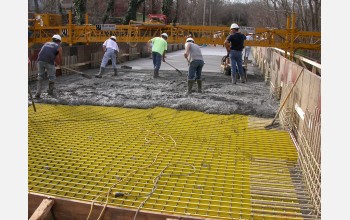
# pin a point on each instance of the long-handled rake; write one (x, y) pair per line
(269, 126)
(180, 73)
(80, 73)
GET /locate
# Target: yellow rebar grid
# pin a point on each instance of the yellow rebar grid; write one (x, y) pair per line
(163, 160)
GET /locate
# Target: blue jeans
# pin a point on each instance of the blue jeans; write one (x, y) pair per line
(51, 70)
(247, 51)
(236, 59)
(109, 54)
(195, 69)
(157, 60)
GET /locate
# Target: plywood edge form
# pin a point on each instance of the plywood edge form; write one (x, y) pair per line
(43, 210)
(69, 209)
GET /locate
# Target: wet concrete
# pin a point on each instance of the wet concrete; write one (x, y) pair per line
(136, 88)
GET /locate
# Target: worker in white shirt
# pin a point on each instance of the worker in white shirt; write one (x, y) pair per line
(247, 48)
(111, 49)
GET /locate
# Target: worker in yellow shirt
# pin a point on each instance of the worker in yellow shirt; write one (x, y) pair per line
(159, 46)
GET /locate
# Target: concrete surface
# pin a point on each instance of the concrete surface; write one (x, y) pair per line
(136, 88)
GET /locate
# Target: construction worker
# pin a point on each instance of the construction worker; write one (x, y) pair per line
(234, 46)
(49, 55)
(159, 47)
(195, 60)
(110, 47)
(247, 49)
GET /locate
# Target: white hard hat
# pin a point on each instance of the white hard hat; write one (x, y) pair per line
(189, 39)
(234, 25)
(114, 37)
(165, 35)
(56, 36)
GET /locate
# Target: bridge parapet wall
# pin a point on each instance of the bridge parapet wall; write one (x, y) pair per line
(301, 109)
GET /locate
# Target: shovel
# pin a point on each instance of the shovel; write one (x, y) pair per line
(180, 73)
(269, 126)
(80, 73)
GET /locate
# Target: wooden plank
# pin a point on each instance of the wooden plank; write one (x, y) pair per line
(43, 209)
(69, 209)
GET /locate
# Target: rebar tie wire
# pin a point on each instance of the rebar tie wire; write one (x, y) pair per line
(155, 180)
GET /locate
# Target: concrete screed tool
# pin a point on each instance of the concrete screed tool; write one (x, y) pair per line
(80, 73)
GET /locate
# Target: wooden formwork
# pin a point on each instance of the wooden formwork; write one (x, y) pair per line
(70, 62)
(96, 59)
(301, 114)
(69, 209)
(67, 61)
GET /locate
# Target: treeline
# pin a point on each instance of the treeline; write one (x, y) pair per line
(254, 13)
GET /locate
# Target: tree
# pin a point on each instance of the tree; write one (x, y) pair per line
(79, 11)
(132, 9)
(153, 7)
(166, 9)
(315, 11)
(36, 4)
(176, 12)
(109, 10)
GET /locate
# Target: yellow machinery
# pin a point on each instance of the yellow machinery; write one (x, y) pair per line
(288, 40)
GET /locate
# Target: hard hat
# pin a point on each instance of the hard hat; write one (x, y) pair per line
(189, 39)
(114, 37)
(234, 25)
(165, 35)
(56, 36)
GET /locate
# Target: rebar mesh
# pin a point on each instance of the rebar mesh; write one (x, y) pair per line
(205, 165)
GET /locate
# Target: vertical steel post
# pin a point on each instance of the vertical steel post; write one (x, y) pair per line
(205, 1)
(70, 32)
(87, 28)
(293, 30)
(287, 37)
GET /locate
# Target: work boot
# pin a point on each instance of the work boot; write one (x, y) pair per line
(199, 84)
(156, 73)
(39, 86)
(190, 83)
(115, 72)
(243, 79)
(99, 75)
(245, 61)
(51, 87)
(234, 79)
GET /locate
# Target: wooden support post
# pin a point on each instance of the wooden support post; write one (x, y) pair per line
(43, 209)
